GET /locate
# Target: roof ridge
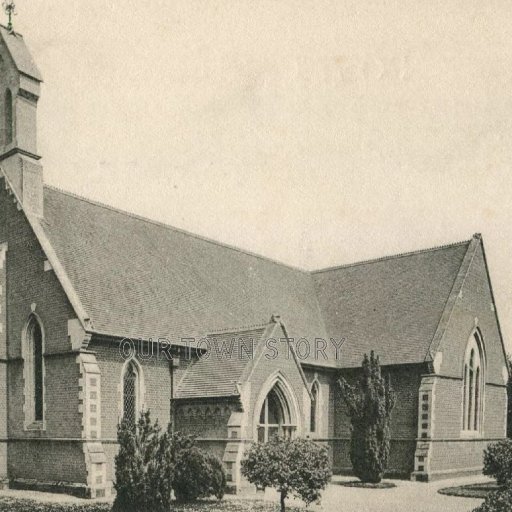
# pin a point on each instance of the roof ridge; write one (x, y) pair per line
(238, 330)
(392, 256)
(174, 228)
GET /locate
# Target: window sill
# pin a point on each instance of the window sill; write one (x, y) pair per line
(36, 426)
(470, 434)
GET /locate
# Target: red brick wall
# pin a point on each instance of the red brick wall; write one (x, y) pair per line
(448, 410)
(405, 381)
(157, 383)
(450, 450)
(475, 301)
(157, 380)
(47, 461)
(27, 285)
(326, 407)
(61, 378)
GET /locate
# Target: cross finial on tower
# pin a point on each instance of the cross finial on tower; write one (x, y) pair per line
(10, 10)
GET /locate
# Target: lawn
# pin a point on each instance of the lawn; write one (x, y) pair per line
(480, 490)
(229, 505)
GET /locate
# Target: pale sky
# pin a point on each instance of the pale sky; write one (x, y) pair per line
(315, 132)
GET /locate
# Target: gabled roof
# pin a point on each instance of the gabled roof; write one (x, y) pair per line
(141, 279)
(132, 277)
(220, 373)
(392, 305)
(20, 54)
(233, 356)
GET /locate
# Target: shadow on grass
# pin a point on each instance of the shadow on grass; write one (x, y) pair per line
(471, 490)
(366, 485)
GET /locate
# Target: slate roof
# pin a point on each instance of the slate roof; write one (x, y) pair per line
(395, 303)
(139, 278)
(20, 54)
(219, 374)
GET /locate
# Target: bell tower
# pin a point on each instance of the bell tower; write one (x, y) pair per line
(20, 82)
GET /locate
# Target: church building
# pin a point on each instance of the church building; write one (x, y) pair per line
(104, 314)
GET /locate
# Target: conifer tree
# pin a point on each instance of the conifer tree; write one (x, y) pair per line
(144, 467)
(369, 403)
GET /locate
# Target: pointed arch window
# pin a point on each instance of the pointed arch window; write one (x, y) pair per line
(33, 360)
(275, 416)
(132, 399)
(8, 119)
(473, 386)
(314, 409)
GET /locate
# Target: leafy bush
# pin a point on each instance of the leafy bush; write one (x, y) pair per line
(498, 461)
(218, 479)
(198, 474)
(151, 463)
(369, 403)
(144, 467)
(499, 501)
(297, 467)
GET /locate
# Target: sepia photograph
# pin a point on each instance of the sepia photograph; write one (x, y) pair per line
(255, 256)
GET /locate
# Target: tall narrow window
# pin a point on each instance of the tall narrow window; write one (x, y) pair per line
(33, 356)
(130, 393)
(471, 402)
(313, 415)
(8, 129)
(38, 372)
(474, 370)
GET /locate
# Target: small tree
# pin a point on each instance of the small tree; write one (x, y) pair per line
(296, 467)
(144, 467)
(369, 403)
(129, 472)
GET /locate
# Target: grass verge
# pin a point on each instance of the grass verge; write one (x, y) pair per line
(471, 491)
(8, 504)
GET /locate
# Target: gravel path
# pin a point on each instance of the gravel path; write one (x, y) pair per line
(406, 496)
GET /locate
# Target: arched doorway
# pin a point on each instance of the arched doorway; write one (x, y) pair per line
(276, 417)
